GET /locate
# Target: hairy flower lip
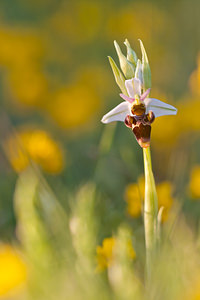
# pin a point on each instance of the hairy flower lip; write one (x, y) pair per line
(142, 132)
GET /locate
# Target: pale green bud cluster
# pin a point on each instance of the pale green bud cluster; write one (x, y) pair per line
(131, 55)
(131, 67)
(146, 71)
(119, 77)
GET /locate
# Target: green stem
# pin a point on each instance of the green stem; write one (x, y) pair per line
(150, 212)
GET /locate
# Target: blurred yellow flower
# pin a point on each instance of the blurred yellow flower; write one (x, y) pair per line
(21, 53)
(74, 105)
(134, 196)
(194, 184)
(164, 191)
(105, 253)
(30, 88)
(36, 145)
(19, 46)
(13, 270)
(192, 291)
(177, 126)
(134, 200)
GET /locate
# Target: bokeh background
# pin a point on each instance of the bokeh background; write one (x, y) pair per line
(55, 86)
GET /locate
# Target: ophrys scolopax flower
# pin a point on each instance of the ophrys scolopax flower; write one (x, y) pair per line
(138, 111)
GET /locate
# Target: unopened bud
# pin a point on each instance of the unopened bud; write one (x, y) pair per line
(119, 77)
(126, 66)
(146, 71)
(131, 55)
(138, 71)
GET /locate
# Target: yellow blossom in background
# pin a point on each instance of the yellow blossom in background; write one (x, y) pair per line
(13, 271)
(177, 127)
(19, 46)
(36, 145)
(164, 192)
(194, 185)
(74, 105)
(134, 200)
(173, 128)
(30, 88)
(134, 196)
(21, 54)
(192, 291)
(105, 253)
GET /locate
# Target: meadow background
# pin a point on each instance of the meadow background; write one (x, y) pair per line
(70, 187)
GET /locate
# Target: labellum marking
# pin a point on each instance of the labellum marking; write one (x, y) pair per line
(141, 127)
(142, 134)
(130, 121)
(138, 109)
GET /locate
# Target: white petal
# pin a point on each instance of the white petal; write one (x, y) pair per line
(118, 113)
(133, 87)
(159, 108)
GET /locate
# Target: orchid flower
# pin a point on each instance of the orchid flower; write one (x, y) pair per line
(138, 111)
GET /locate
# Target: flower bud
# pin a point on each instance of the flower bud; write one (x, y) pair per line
(146, 71)
(131, 55)
(138, 71)
(119, 78)
(126, 66)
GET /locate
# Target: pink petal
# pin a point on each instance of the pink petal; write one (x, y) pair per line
(130, 100)
(145, 94)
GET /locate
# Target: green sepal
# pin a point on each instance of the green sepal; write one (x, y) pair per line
(146, 71)
(119, 77)
(126, 66)
(138, 70)
(131, 55)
